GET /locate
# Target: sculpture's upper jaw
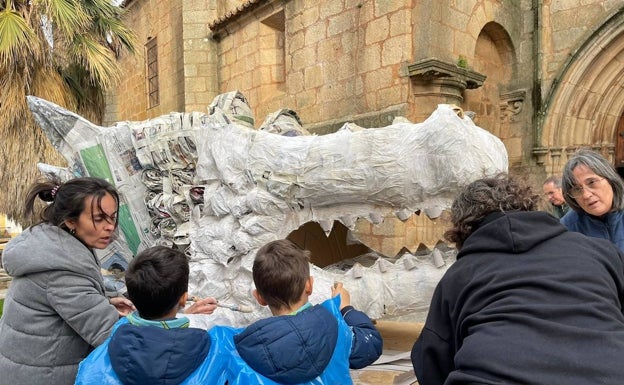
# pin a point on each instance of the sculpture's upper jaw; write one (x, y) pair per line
(258, 186)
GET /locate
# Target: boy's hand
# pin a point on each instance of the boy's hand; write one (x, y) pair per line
(123, 305)
(345, 297)
(202, 306)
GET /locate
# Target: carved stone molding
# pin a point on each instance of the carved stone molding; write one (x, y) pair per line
(570, 150)
(432, 69)
(555, 155)
(511, 104)
(539, 153)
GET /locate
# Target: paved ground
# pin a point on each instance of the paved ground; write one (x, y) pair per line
(398, 337)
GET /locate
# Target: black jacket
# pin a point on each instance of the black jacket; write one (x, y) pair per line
(527, 302)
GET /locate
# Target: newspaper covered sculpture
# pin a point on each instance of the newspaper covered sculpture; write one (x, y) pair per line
(210, 183)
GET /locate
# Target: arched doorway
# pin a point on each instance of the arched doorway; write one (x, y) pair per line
(586, 104)
(495, 56)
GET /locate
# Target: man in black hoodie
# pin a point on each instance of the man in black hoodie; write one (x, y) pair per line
(527, 302)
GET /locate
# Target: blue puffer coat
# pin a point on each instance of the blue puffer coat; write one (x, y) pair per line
(316, 346)
(610, 226)
(138, 355)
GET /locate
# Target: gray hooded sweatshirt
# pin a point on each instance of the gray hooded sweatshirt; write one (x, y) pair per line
(55, 310)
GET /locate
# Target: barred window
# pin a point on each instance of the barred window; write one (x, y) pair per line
(151, 58)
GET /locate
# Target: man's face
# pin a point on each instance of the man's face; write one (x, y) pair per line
(553, 194)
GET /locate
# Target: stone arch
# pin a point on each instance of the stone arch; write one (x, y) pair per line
(494, 56)
(586, 102)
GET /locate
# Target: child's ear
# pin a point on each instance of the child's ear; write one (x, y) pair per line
(182, 300)
(258, 297)
(309, 286)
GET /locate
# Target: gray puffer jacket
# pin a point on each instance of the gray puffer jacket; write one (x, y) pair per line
(55, 311)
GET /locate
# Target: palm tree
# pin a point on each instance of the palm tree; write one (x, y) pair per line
(64, 51)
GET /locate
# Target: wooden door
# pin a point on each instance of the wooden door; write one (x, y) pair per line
(619, 146)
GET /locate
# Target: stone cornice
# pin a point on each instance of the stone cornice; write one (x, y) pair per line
(249, 10)
(432, 68)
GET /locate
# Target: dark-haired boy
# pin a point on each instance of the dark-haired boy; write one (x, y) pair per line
(152, 345)
(301, 342)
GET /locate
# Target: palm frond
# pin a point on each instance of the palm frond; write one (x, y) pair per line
(118, 37)
(89, 97)
(60, 50)
(67, 15)
(16, 37)
(49, 84)
(107, 23)
(98, 60)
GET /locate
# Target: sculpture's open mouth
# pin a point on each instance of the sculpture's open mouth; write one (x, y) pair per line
(210, 182)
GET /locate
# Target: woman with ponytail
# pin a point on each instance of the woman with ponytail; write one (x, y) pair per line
(55, 311)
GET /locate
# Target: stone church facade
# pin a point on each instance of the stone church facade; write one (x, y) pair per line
(545, 76)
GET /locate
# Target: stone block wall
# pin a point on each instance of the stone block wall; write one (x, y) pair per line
(392, 236)
(565, 26)
(198, 64)
(163, 20)
(338, 61)
(330, 60)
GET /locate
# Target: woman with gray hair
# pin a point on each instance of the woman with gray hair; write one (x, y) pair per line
(526, 302)
(595, 192)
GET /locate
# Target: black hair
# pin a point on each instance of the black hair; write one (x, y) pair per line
(67, 200)
(156, 279)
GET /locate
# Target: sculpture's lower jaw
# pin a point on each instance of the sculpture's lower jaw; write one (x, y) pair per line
(398, 287)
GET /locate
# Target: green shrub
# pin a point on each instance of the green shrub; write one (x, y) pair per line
(462, 62)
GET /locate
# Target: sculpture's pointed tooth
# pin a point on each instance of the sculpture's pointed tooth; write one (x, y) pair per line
(357, 270)
(410, 262)
(348, 221)
(375, 218)
(196, 213)
(438, 258)
(404, 214)
(433, 212)
(384, 265)
(326, 225)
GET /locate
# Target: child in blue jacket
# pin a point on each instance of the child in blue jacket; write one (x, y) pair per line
(301, 343)
(152, 346)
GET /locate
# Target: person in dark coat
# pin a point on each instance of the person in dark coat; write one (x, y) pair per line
(526, 302)
(301, 342)
(553, 193)
(595, 192)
